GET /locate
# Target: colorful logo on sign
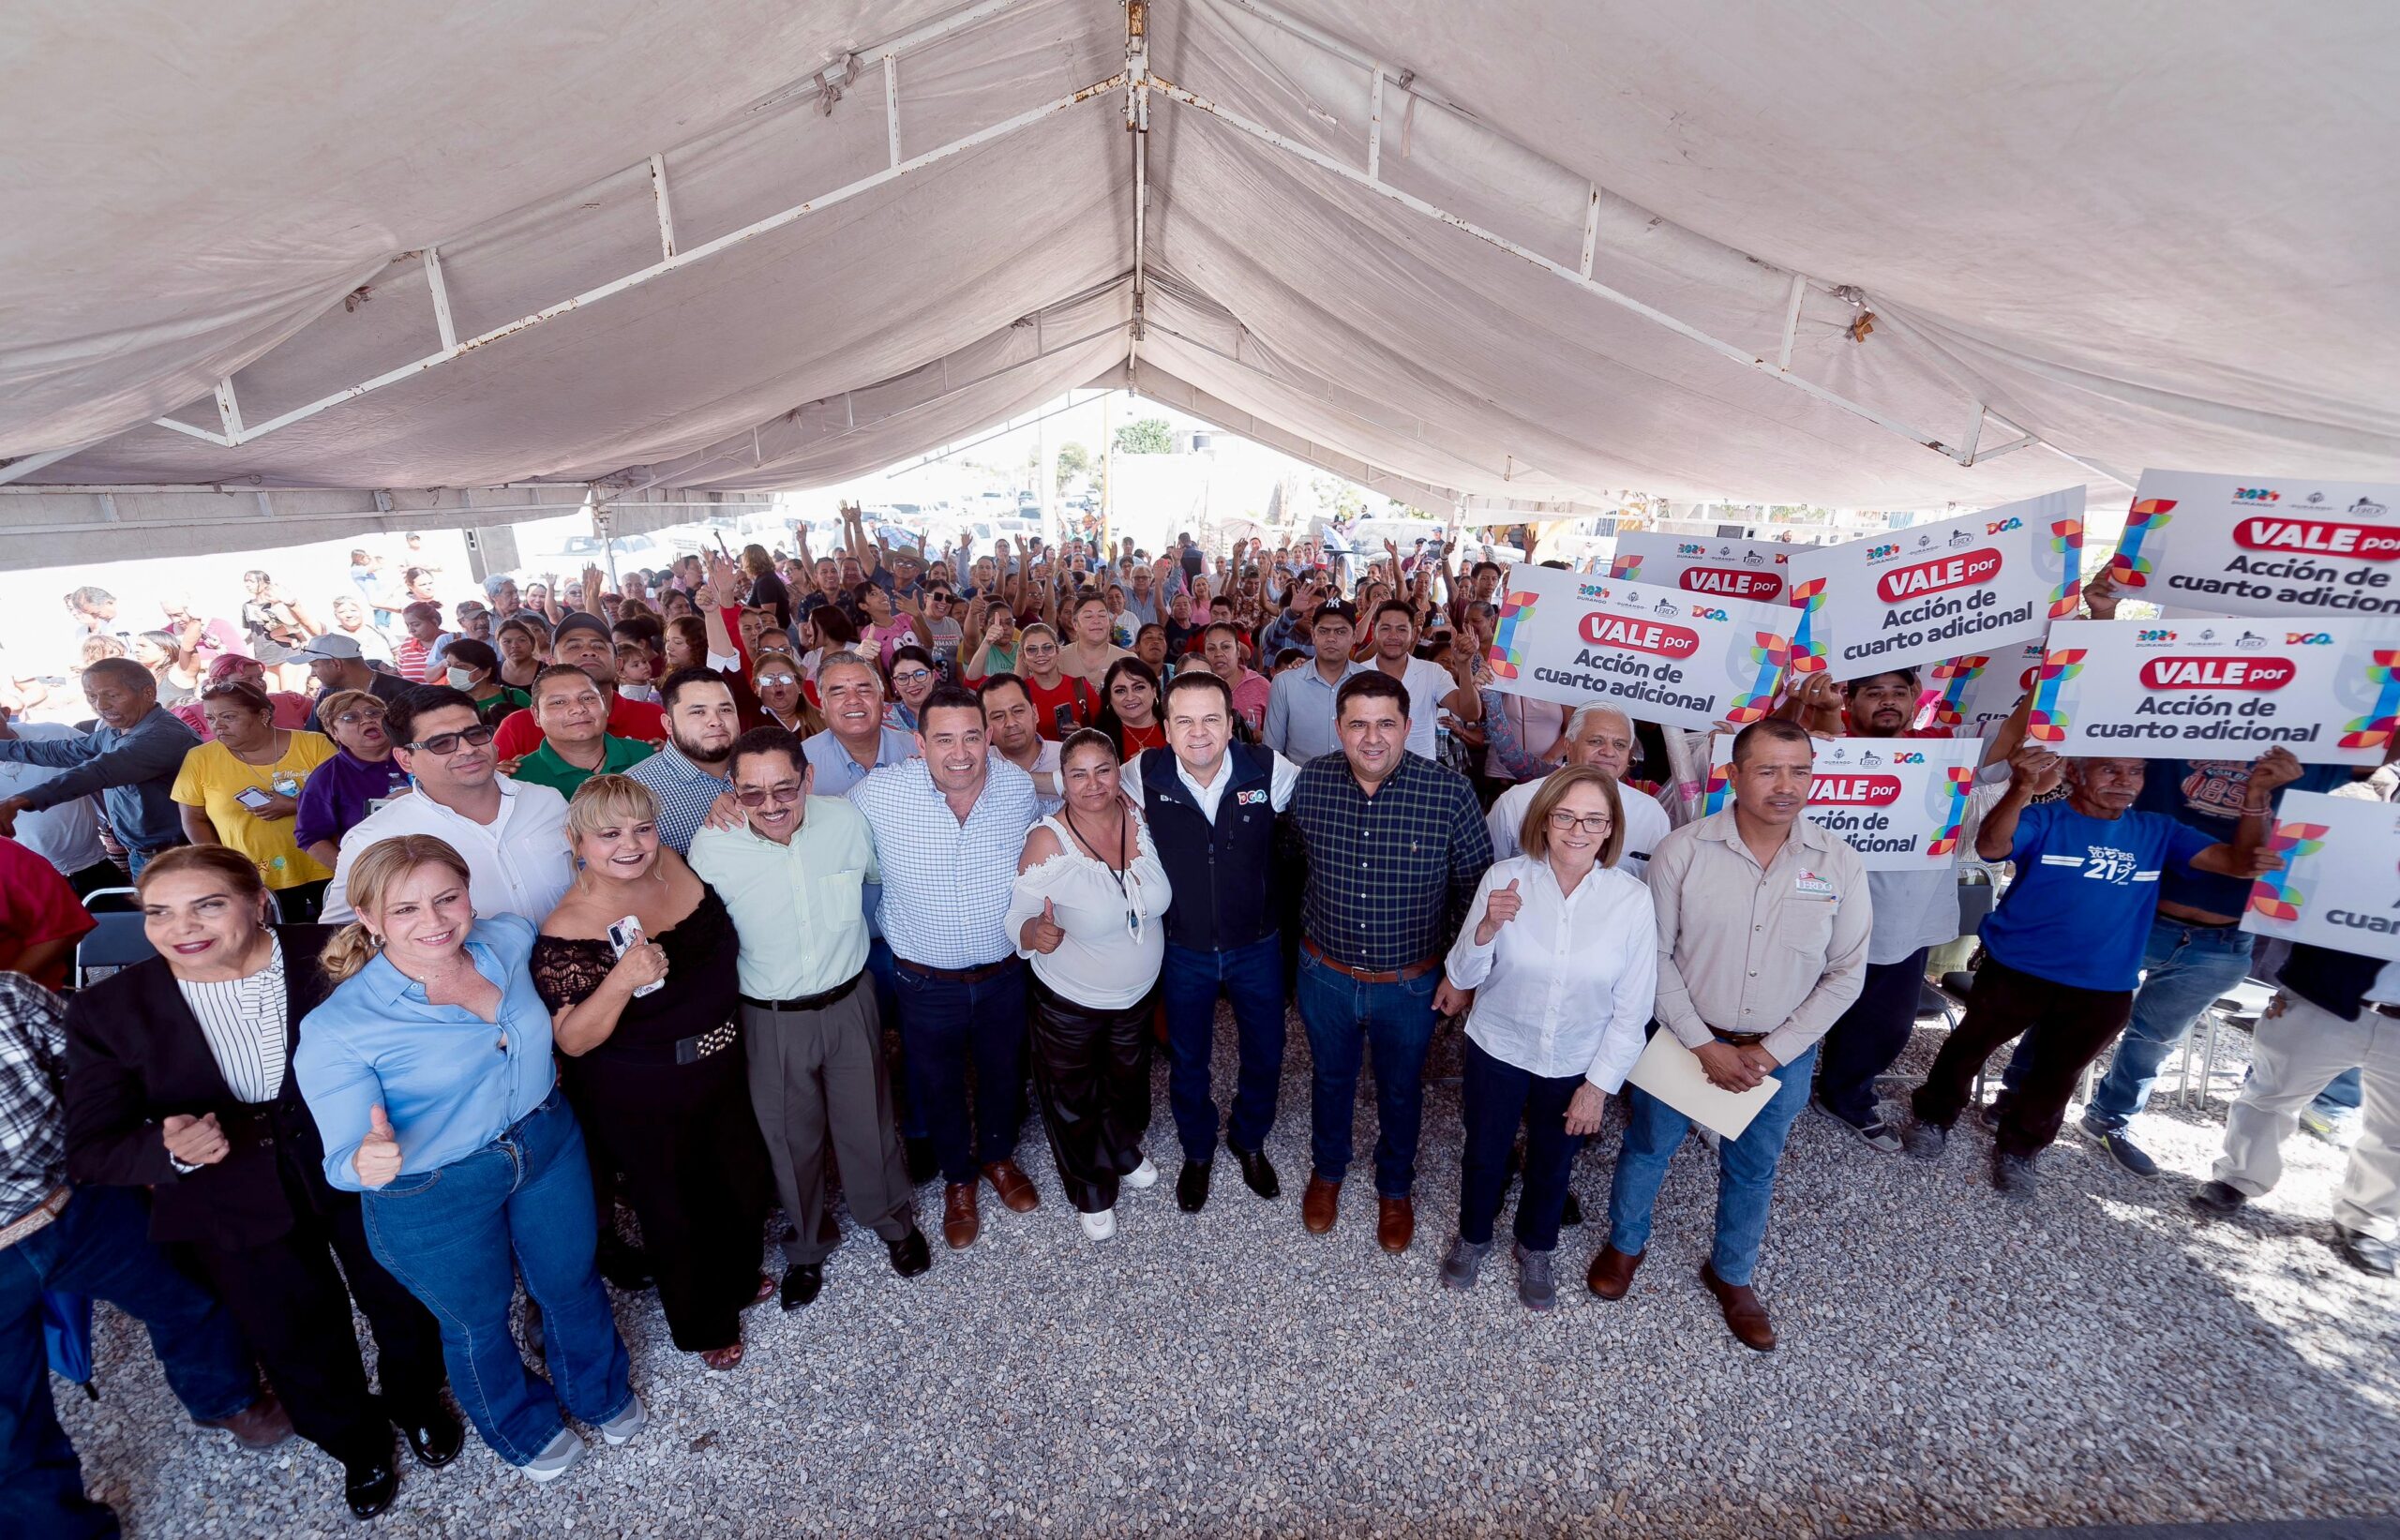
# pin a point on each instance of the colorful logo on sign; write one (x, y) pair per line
(2375, 729)
(1625, 565)
(1770, 653)
(2146, 517)
(2066, 541)
(1516, 611)
(2046, 723)
(2004, 525)
(1920, 578)
(2273, 896)
(1954, 675)
(2255, 494)
(1808, 654)
(1954, 817)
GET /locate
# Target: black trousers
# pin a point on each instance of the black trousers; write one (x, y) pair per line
(2077, 1023)
(1091, 1072)
(294, 1310)
(1868, 1035)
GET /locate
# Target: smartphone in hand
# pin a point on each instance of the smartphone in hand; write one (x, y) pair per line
(624, 935)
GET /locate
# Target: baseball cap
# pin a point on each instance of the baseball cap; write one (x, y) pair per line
(332, 646)
(226, 664)
(582, 619)
(1338, 609)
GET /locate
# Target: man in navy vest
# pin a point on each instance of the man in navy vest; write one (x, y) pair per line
(1211, 805)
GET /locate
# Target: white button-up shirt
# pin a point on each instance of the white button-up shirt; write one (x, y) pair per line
(517, 864)
(1566, 987)
(946, 884)
(1646, 823)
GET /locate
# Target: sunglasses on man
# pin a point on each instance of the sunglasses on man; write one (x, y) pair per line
(474, 737)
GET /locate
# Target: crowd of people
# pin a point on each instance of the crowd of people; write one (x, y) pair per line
(708, 894)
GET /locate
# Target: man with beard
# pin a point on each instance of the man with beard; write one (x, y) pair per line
(688, 775)
(582, 640)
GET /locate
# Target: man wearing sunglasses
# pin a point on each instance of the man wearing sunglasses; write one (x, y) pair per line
(512, 834)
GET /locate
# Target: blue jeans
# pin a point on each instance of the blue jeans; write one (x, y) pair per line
(1744, 1171)
(943, 1026)
(1497, 1097)
(448, 1236)
(2184, 969)
(1253, 977)
(887, 1007)
(1347, 1020)
(99, 1246)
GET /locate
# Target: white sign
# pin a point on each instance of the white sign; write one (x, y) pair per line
(1915, 596)
(1660, 654)
(2326, 690)
(1976, 692)
(2261, 546)
(1899, 801)
(2340, 883)
(1756, 570)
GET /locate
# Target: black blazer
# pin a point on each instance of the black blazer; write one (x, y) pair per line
(136, 1056)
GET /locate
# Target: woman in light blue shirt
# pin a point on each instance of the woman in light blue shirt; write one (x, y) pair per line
(429, 1072)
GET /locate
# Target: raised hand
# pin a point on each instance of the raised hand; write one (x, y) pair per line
(2037, 768)
(195, 1141)
(1500, 908)
(1042, 933)
(2100, 596)
(378, 1159)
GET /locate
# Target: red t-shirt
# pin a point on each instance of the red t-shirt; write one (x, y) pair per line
(36, 906)
(635, 719)
(1080, 700)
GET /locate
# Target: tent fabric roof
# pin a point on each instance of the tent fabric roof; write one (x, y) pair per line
(2133, 238)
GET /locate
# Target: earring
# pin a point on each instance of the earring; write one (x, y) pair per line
(375, 941)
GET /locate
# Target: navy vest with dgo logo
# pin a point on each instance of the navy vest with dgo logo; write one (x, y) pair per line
(1219, 872)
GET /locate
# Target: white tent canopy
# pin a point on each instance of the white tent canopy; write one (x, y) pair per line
(331, 268)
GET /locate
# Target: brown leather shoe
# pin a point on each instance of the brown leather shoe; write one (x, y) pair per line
(1395, 1224)
(960, 1222)
(1319, 1204)
(262, 1424)
(1015, 1188)
(1745, 1312)
(1612, 1273)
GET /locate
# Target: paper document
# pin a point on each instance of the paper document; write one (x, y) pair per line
(1672, 1072)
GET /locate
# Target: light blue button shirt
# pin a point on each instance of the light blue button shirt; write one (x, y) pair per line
(1300, 713)
(947, 884)
(450, 1082)
(837, 772)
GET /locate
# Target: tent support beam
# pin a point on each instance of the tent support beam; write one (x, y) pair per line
(666, 218)
(438, 287)
(1137, 129)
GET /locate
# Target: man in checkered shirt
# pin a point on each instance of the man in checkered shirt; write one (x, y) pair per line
(1396, 847)
(91, 1241)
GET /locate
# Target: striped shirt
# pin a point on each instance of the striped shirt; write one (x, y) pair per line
(1391, 876)
(946, 884)
(685, 791)
(245, 1022)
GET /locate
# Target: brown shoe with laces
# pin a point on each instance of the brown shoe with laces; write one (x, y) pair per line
(1014, 1188)
(960, 1222)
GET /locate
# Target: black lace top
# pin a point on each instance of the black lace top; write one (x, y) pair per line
(701, 984)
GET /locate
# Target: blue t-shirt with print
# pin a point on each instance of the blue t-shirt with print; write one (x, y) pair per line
(2207, 795)
(2086, 890)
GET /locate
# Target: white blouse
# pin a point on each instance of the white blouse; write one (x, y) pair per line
(1567, 987)
(1116, 939)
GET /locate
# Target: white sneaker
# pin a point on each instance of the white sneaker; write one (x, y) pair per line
(621, 1428)
(1142, 1176)
(1100, 1226)
(558, 1456)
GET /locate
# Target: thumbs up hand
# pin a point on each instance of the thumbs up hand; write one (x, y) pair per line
(1498, 909)
(1042, 933)
(378, 1159)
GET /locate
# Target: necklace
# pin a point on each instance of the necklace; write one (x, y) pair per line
(1117, 874)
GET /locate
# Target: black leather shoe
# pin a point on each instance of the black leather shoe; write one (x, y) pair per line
(369, 1489)
(923, 1164)
(435, 1435)
(624, 1266)
(802, 1284)
(908, 1256)
(1257, 1171)
(1191, 1186)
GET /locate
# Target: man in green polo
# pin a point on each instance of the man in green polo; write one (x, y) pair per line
(576, 743)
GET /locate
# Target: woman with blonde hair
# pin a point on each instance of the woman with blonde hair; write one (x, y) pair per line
(428, 1070)
(1562, 965)
(654, 1058)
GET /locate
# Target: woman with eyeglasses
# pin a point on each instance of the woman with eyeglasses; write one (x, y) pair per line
(1560, 969)
(360, 777)
(242, 790)
(1087, 912)
(1128, 711)
(654, 1060)
(781, 701)
(913, 677)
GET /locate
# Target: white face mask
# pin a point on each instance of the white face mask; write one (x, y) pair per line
(460, 678)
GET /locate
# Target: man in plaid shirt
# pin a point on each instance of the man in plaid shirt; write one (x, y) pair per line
(91, 1241)
(1396, 847)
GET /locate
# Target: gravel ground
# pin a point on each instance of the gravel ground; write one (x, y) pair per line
(1948, 1363)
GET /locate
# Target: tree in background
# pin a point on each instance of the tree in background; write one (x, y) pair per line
(1144, 436)
(1074, 460)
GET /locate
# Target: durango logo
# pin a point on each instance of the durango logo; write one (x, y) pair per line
(1732, 583)
(2307, 639)
(1854, 790)
(1919, 578)
(2004, 525)
(2317, 535)
(1908, 759)
(2217, 673)
(1635, 635)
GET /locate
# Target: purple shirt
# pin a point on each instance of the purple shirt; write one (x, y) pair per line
(339, 793)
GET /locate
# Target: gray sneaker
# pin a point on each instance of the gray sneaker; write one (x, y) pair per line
(1877, 1133)
(2123, 1151)
(558, 1456)
(1925, 1141)
(1465, 1261)
(2368, 1253)
(623, 1427)
(2012, 1175)
(1534, 1290)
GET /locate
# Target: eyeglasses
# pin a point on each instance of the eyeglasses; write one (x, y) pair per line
(778, 678)
(474, 737)
(912, 676)
(1594, 823)
(357, 714)
(786, 794)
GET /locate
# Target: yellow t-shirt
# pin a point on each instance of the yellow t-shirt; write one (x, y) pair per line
(212, 779)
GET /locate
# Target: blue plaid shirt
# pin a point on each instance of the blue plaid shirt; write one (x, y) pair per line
(946, 885)
(685, 791)
(1391, 876)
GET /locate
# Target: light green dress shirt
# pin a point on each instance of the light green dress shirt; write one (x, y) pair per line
(795, 906)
